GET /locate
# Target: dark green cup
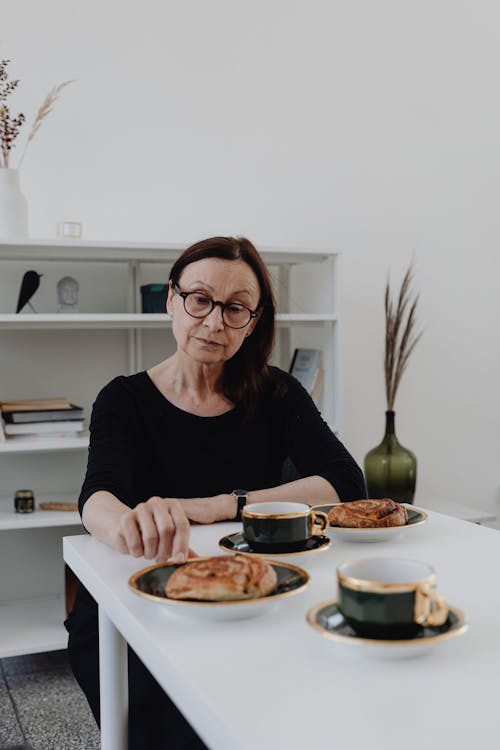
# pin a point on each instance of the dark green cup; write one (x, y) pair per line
(393, 598)
(276, 527)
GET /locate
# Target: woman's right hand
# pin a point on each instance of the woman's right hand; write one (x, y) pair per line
(157, 529)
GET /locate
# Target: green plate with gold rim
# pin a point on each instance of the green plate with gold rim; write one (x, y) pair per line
(150, 584)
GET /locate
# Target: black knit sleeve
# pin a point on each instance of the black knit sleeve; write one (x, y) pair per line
(113, 445)
(313, 447)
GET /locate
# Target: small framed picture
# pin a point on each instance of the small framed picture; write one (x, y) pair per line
(306, 367)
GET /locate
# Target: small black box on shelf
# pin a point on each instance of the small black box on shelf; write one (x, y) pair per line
(154, 298)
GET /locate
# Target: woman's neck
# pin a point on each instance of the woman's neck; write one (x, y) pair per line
(195, 389)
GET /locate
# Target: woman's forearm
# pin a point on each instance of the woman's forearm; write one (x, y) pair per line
(101, 516)
(311, 490)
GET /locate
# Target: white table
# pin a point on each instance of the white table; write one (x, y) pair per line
(273, 682)
(465, 512)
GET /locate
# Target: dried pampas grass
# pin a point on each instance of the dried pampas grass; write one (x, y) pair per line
(42, 113)
(400, 334)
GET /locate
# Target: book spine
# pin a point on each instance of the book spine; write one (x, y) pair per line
(30, 427)
(20, 417)
(43, 435)
(35, 404)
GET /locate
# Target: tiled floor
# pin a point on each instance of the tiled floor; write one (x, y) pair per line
(42, 706)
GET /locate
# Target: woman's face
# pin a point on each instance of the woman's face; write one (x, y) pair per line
(208, 340)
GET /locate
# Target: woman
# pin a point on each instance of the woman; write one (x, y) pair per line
(170, 446)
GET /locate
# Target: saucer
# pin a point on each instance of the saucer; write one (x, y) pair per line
(329, 621)
(237, 543)
(416, 517)
(150, 583)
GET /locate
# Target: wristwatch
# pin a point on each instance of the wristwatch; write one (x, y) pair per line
(241, 499)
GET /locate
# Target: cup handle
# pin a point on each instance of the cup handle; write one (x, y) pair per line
(319, 522)
(430, 607)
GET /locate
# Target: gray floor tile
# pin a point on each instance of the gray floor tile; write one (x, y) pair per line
(53, 711)
(10, 731)
(29, 663)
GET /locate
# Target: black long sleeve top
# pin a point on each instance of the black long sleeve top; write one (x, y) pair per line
(142, 445)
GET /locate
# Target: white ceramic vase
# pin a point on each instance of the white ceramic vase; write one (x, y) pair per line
(13, 205)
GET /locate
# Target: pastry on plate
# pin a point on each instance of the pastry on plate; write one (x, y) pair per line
(368, 514)
(222, 578)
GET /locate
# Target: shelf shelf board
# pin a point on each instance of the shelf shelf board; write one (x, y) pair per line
(29, 626)
(284, 319)
(153, 252)
(12, 321)
(85, 321)
(39, 519)
(85, 250)
(44, 445)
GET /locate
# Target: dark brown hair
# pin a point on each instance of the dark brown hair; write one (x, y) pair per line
(247, 372)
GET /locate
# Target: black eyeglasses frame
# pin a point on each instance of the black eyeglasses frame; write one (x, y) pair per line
(215, 303)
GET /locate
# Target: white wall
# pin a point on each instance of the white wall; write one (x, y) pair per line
(373, 127)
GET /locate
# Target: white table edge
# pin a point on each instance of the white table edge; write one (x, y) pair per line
(118, 626)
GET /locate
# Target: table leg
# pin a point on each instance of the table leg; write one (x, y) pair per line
(113, 685)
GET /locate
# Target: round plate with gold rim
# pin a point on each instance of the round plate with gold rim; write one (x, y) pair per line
(237, 543)
(150, 583)
(327, 619)
(416, 517)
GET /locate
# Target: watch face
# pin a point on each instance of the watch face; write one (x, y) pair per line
(239, 493)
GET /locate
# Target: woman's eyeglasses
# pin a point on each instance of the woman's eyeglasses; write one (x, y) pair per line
(198, 305)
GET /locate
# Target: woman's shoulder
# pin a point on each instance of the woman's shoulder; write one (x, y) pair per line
(122, 386)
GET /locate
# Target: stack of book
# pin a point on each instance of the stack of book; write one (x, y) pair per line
(40, 418)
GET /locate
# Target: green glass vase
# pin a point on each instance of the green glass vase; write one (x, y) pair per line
(391, 469)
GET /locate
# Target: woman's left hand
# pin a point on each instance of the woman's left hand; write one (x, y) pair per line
(210, 509)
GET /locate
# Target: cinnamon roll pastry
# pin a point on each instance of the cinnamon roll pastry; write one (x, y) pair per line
(222, 578)
(368, 514)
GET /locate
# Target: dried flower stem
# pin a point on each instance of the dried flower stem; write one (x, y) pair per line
(42, 113)
(400, 335)
(6, 86)
(9, 126)
(9, 130)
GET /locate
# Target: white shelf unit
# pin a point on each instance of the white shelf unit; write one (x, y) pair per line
(306, 286)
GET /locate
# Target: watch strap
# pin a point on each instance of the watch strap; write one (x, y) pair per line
(241, 499)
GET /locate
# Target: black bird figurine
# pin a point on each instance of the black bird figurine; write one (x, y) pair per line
(29, 285)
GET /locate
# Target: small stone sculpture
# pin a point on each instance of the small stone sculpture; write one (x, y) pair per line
(67, 295)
